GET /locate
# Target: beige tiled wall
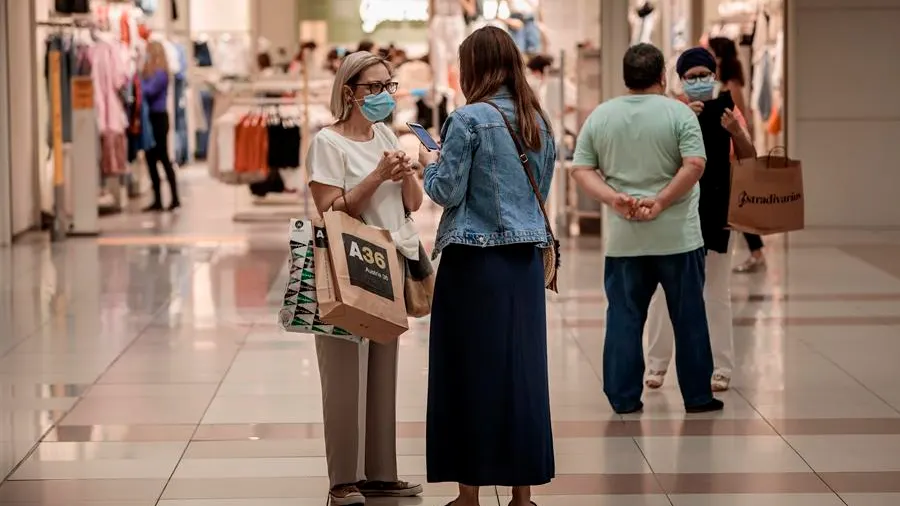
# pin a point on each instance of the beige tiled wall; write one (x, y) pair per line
(844, 110)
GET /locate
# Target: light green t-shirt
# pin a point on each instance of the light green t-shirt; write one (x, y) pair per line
(638, 142)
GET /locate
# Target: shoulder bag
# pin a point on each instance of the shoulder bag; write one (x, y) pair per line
(551, 254)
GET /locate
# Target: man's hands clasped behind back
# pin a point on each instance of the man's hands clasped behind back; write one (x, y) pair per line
(635, 209)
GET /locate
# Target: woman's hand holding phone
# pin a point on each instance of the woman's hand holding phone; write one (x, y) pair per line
(427, 157)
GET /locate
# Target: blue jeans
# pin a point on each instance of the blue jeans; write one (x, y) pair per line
(630, 283)
(527, 38)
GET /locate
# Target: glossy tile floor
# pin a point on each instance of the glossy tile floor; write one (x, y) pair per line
(144, 368)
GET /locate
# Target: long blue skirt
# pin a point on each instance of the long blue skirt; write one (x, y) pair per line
(488, 395)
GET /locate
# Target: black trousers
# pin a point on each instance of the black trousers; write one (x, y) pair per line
(754, 242)
(159, 122)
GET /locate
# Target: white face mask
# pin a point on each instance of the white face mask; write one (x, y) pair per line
(701, 89)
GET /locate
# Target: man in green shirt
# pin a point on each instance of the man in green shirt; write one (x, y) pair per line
(642, 155)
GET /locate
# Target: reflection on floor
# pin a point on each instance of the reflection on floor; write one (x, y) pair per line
(147, 365)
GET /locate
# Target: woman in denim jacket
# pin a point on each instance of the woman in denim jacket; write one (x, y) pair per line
(488, 399)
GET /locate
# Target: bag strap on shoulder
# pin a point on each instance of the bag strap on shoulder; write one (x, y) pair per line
(526, 164)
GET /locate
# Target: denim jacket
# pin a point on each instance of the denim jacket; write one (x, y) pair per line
(480, 182)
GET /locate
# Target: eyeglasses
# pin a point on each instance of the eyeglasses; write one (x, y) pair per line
(376, 87)
(699, 78)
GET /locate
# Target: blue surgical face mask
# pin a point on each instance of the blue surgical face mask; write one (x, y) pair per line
(700, 89)
(377, 107)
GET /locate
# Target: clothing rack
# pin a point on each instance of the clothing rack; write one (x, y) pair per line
(60, 228)
(242, 95)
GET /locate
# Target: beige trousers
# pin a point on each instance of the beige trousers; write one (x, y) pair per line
(359, 400)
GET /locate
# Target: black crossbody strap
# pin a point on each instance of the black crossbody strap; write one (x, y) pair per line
(526, 164)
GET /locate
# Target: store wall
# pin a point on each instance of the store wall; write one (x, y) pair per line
(5, 208)
(23, 111)
(345, 24)
(844, 110)
(277, 22)
(215, 15)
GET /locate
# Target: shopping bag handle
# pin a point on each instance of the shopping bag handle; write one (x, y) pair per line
(769, 157)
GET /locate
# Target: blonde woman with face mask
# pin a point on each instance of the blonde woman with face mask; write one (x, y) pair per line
(155, 87)
(356, 166)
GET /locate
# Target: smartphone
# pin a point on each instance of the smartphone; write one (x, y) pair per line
(423, 136)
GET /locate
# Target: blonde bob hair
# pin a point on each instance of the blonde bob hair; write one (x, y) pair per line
(348, 75)
(156, 59)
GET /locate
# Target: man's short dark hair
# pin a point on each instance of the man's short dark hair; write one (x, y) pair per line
(643, 66)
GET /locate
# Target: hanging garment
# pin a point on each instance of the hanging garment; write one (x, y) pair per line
(447, 34)
(764, 103)
(232, 56)
(67, 64)
(110, 76)
(148, 6)
(202, 54)
(181, 125)
(72, 6)
(113, 153)
(125, 28)
(207, 103)
(181, 73)
(774, 125)
(283, 144)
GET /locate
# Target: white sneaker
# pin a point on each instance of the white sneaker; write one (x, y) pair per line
(345, 495)
(655, 379)
(720, 382)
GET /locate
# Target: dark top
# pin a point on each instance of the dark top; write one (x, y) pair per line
(715, 184)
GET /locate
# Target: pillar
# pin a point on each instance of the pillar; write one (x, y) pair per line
(5, 196)
(614, 41)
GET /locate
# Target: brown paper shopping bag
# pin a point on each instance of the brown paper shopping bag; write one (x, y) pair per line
(324, 270)
(365, 295)
(766, 195)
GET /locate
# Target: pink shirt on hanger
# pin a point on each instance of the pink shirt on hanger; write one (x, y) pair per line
(109, 74)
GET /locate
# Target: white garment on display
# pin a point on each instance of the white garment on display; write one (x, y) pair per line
(231, 56)
(225, 126)
(334, 160)
(548, 91)
(717, 296)
(447, 8)
(447, 34)
(524, 7)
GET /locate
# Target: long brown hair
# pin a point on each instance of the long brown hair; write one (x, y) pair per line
(489, 60)
(156, 59)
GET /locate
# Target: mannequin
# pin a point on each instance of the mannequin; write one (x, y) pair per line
(447, 31)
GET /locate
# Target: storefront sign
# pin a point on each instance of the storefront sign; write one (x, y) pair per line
(82, 93)
(375, 12)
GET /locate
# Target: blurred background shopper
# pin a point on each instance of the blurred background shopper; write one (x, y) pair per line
(714, 106)
(356, 167)
(488, 400)
(731, 74)
(155, 86)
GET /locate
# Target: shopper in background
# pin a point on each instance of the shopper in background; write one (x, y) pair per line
(757, 258)
(528, 35)
(488, 417)
(155, 86)
(715, 111)
(642, 155)
(368, 46)
(731, 74)
(357, 167)
(264, 64)
(334, 59)
(560, 107)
